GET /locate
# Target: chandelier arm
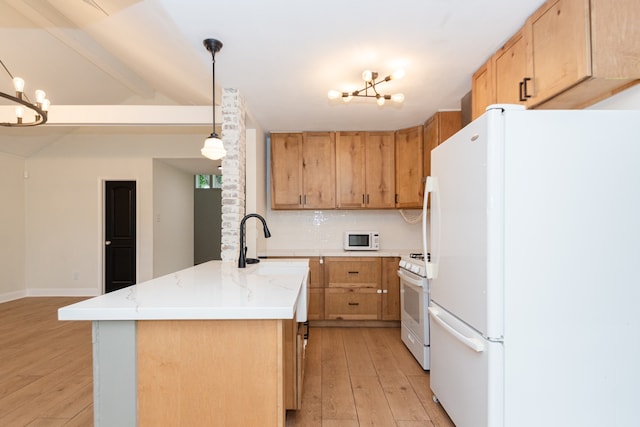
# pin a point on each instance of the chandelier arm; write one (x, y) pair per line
(41, 115)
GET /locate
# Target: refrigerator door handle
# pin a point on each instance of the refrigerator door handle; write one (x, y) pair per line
(473, 343)
(431, 187)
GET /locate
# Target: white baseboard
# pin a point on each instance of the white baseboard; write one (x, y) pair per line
(46, 292)
(10, 296)
(62, 292)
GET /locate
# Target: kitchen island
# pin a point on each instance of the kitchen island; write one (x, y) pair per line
(209, 345)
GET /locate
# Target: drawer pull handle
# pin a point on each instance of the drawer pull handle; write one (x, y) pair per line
(354, 272)
(354, 303)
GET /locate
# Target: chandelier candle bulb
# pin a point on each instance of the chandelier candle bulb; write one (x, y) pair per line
(18, 83)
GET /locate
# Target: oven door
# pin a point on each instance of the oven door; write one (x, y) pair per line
(413, 305)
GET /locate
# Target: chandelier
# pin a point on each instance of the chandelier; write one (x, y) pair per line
(369, 90)
(213, 147)
(22, 101)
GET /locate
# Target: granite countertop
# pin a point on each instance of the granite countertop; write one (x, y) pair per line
(271, 289)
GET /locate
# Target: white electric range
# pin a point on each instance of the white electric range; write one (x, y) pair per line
(414, 303)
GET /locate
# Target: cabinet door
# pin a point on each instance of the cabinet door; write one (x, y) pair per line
(560, 47)
(293, 364)
(316, 276)
(380, 170)
(350, 170)
(390, 289)
(286, 170)
(482, 85)
(408, 165)
(316, 304)
(510, 69)
(316, 289)
(437, 129)
(319, 170)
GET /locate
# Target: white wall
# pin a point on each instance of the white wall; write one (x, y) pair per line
(64, 219)
(172, 219)
(12, 228)
(256, 188)
(627, 100)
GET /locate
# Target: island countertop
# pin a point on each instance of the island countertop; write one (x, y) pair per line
(212, 290)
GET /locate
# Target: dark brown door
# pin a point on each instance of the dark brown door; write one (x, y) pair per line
(120, 235)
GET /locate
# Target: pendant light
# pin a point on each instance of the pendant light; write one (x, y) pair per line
(213, 147)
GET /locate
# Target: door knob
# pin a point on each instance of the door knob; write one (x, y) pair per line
(107, 243)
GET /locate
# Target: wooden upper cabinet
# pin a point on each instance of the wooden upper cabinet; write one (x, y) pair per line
(509, 68)
(365, 170)
(437, 129)
(303, 170)
(350, 170)
(568, 54)
(560, 47)
(286, 171)
(482, 88)
(582, 51)
(319, 170)
(408, 167)
(380, 170)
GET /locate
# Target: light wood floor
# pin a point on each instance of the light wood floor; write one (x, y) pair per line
(353, 376)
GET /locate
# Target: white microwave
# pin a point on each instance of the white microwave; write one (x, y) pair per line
(361, 241)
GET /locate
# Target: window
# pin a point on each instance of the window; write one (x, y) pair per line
(208, 181)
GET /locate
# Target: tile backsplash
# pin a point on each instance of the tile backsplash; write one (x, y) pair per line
(323, 230)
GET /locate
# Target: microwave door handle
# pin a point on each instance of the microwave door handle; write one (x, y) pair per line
(473, 343)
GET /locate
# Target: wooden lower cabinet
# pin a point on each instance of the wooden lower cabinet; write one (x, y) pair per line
(316, 304)
(351, 304)
(361, 288)
(353, 288)
(293, 364)
(390, 289)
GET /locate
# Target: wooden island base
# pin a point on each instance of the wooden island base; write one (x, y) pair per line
(210, 372)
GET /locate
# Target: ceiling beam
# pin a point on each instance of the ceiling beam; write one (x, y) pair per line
(123, 115)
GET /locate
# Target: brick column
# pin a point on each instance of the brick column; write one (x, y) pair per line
(233, 172)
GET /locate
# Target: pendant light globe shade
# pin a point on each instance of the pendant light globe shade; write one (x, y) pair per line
(213, 148)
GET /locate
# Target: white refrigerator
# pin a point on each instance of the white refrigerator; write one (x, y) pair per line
(534, 238)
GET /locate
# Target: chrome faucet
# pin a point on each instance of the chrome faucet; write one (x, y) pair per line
(243, 260)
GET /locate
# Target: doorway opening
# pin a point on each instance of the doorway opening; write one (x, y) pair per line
(207, 218)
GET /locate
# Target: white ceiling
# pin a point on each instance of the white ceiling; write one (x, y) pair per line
(282, 55)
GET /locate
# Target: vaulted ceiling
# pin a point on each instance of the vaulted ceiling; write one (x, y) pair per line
(282, 55)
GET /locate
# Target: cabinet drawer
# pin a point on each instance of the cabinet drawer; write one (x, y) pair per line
(351, 304)
(361, 272)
